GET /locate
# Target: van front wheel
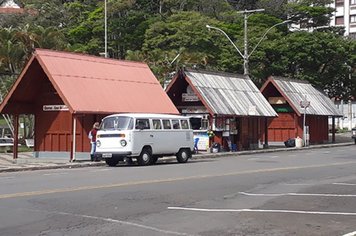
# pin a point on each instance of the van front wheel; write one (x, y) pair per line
(183, 155)
(145, 157)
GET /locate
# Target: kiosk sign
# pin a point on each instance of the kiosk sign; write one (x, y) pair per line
(55, 108)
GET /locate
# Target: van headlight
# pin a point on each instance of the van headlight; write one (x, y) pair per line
(98, 143)
(123, 142)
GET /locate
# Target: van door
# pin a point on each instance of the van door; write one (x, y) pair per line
(159, 137)
(143, 135)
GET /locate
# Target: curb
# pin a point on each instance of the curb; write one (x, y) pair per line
(73, 165)
(52, 166)
(282, 149)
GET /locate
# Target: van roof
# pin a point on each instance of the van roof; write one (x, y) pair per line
(149, 115)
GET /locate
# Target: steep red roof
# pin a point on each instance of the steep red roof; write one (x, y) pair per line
(89, 84)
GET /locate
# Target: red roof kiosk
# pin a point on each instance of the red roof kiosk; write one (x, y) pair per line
(68, 92)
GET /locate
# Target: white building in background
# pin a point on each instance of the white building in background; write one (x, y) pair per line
(9, 4)
(10, 7)
(349, 110)
(345, 16)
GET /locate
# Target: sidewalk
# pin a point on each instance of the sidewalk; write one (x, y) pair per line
(27, 162)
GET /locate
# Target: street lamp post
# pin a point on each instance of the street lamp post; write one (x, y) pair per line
(305, 104)
(223, 32)
(106, 28)
(245, 56)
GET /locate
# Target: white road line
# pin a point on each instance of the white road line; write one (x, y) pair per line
(99, 170)
(262, 158)
(7, 178)
(296, 194)
(347, 184)
(115, 221)
(265, 211)
(54, 174)
(350, 234)
(296, 184)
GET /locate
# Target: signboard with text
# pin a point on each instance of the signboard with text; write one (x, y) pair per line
(55, 108)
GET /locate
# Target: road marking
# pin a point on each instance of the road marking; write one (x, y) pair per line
(100, 170)
(296, 194)
(262, 158)
(1, 178)
(350, 234)
(166, 180)
(347, 184)
(296, 184)
(265, 211)
(110, 220)
(54, 174)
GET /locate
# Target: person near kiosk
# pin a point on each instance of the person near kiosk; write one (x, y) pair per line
(92, 137)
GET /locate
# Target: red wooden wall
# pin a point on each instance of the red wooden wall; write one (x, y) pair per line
(54, 131)
(289, 125)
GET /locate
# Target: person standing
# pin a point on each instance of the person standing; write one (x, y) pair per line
(92, 137)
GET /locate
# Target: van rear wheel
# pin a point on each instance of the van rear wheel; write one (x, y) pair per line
(145, 157)
(111, 162)
(183, 155)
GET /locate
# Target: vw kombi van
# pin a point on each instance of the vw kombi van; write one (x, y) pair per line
(144, 137)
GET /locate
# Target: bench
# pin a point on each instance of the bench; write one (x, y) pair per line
(6, 144)
(30, 142)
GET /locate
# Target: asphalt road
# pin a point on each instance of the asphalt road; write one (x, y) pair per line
(305, 192)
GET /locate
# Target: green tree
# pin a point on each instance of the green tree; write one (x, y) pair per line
(85, 28)
(183, 33)
(310, 14)
(321, 58)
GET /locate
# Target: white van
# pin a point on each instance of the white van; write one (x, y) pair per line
(144, 137)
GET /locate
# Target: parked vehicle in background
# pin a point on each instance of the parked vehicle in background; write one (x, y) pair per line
(144, 137)
(354, 134)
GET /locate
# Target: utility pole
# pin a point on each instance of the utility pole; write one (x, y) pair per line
(246, 56)
(106, 28)
(305, 104)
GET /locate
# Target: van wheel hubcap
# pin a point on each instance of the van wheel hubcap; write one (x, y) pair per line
(145, 157)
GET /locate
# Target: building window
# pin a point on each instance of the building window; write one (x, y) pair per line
(339, 20)
(353, 19)
(339, 3)
(352, 36)
(352, 2)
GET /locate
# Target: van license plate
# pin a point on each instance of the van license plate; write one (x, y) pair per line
(107, 155)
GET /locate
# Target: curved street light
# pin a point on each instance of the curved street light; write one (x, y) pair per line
(223, 32)
(246, 55)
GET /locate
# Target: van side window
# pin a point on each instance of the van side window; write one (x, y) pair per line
(166, 124)
(175, 124)
(142, 124)
(156, 124)
(184, 124)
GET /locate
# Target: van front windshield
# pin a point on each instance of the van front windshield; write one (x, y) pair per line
(117, 123)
